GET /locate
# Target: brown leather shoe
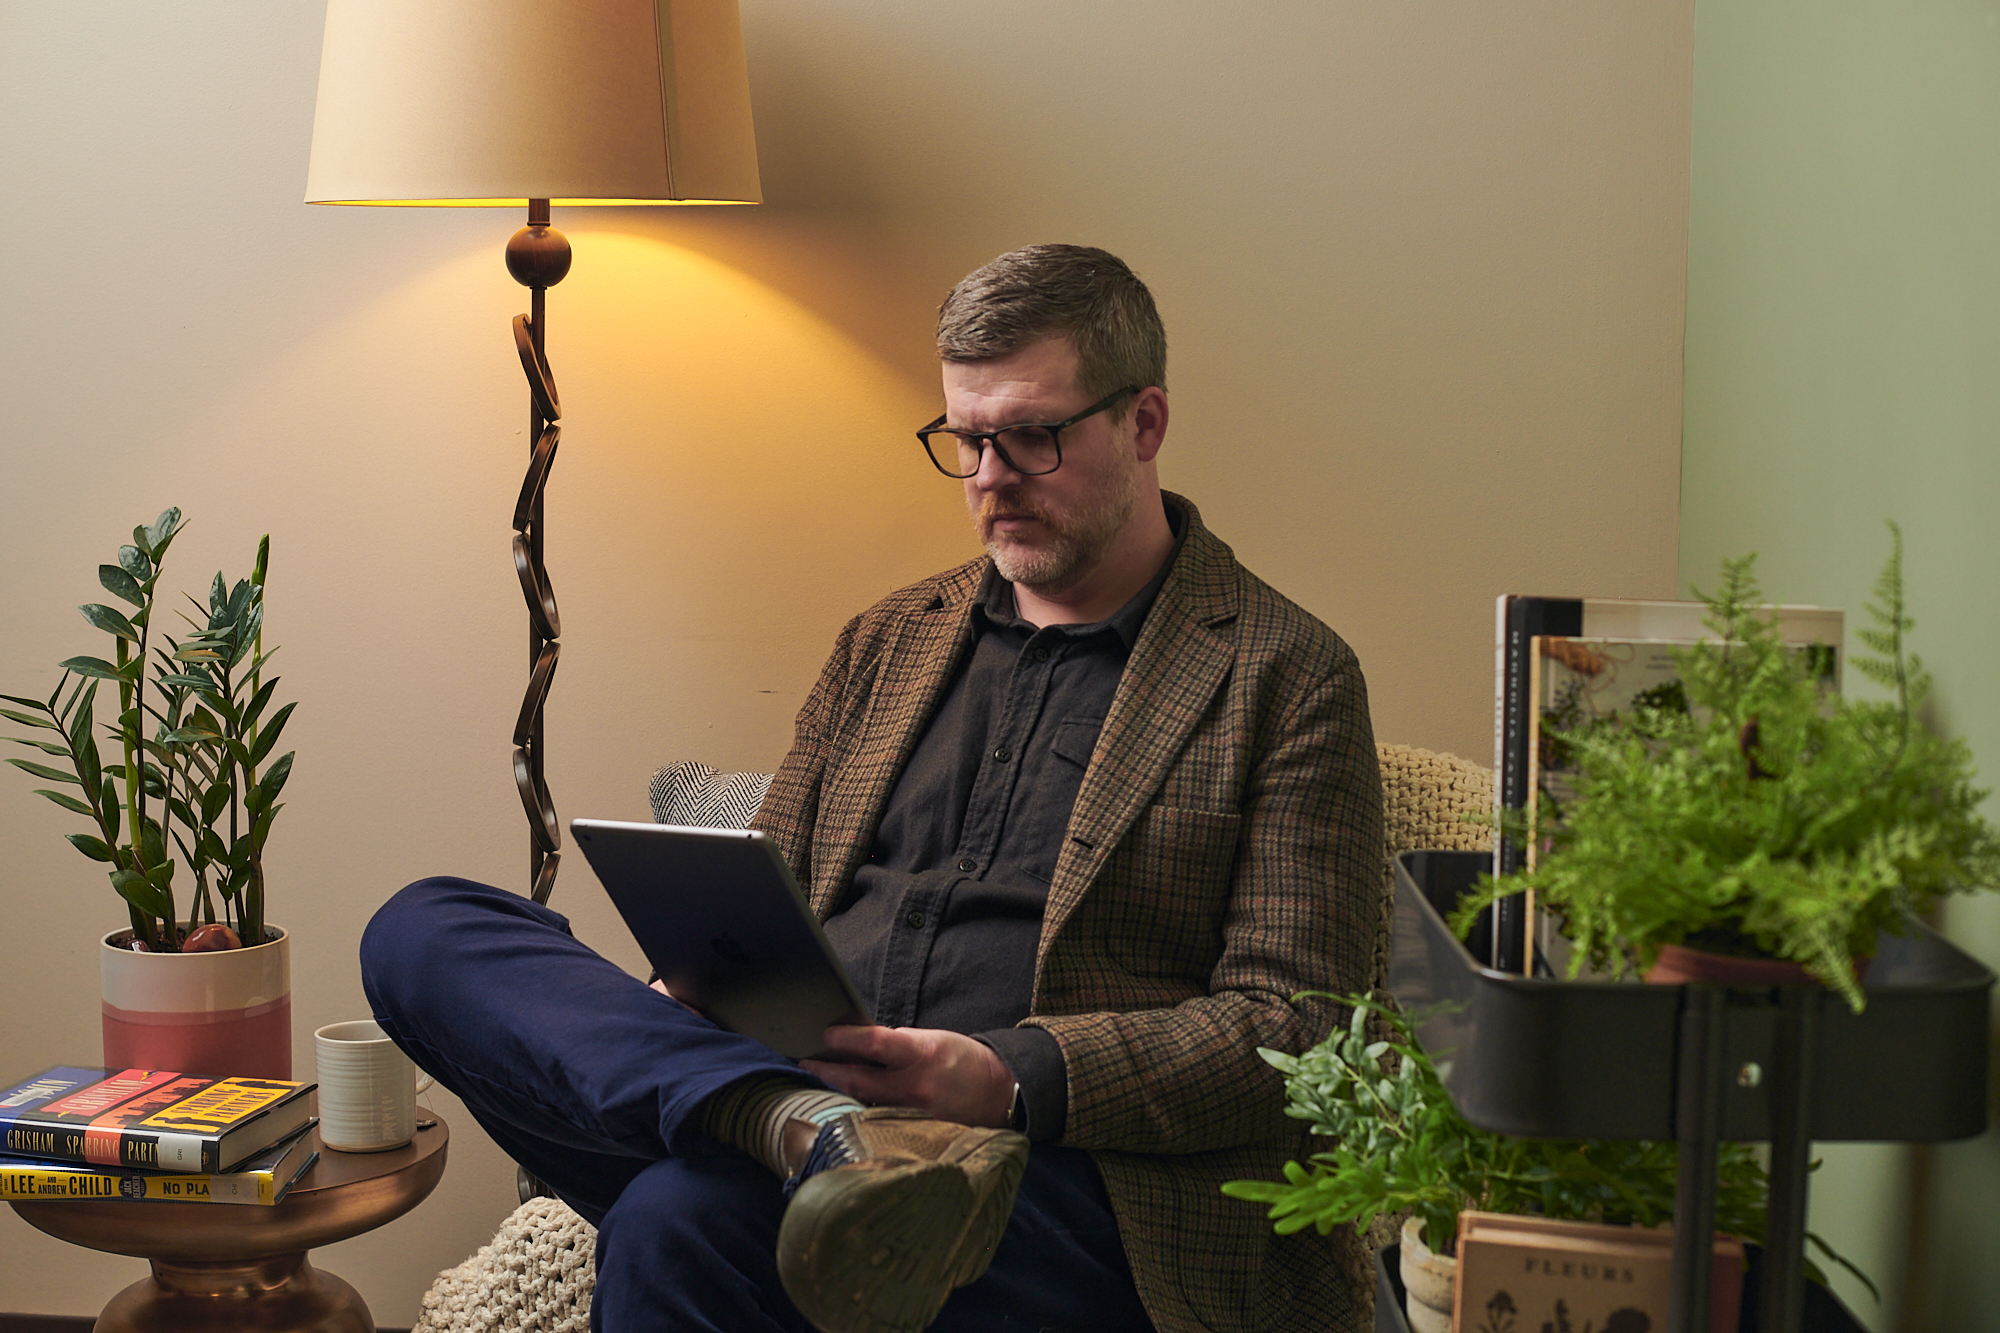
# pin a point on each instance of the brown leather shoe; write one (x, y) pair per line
(892, 1210)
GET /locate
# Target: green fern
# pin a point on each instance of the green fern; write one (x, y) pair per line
(1892, 668)
(1766, 819)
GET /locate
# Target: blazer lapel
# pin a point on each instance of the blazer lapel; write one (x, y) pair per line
(915, 668)
(1180, 660)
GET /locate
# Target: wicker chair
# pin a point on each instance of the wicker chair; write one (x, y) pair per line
(536, 1275)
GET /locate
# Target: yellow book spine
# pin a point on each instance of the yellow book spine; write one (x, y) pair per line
(23, 1185)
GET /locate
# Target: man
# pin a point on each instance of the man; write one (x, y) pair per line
(1082, 817)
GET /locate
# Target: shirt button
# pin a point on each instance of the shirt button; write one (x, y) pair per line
(968, 865)
(915, 920)
(1003, 754)
(1041, 654)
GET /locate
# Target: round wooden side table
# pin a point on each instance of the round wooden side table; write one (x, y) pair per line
(228, 1267)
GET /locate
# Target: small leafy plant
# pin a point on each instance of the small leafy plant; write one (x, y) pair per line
(1396, 1142)
(1763, 819)
(191, 735)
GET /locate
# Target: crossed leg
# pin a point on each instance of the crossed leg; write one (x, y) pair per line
(593, 1081)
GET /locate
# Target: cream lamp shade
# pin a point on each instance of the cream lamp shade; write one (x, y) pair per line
(496, 102)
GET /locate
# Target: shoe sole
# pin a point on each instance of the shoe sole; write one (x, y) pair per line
(859, 1249)
(993, 1167)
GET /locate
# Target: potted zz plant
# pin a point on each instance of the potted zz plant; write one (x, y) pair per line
(1398, 1148)
(189, 782)
(1755, 830)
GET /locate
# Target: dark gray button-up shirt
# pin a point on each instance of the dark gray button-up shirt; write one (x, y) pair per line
(940, 926)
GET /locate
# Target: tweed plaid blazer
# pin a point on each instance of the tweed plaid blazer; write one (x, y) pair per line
(1224, 854)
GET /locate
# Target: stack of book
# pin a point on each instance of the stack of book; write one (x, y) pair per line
(89, 1133)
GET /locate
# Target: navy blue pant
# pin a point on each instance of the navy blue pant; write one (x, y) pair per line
(589, 1079)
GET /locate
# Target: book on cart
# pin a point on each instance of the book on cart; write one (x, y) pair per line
(1568, 664)
(264, 1179)
(149, 1119)
(1531, 1272)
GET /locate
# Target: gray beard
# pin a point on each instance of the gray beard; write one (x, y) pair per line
(1073, 553)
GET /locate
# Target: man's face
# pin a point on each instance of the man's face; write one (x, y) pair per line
(1046, 532)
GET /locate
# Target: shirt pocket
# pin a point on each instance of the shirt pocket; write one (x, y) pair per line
(1075, 738)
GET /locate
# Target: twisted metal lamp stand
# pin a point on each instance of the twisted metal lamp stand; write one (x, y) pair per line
(538, 256)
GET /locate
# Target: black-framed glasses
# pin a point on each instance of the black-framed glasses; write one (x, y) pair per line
(1030, 449)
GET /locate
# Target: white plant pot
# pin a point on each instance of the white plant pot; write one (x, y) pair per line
(212, 1014)
(1428, 1280)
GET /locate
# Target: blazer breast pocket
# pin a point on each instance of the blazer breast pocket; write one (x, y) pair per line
(1163, 895)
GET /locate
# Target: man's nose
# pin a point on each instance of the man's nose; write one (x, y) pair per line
(993, 472)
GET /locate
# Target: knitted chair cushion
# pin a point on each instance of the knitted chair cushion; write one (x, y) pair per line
(1428, 800)
(1426, 797)
(536, 1275)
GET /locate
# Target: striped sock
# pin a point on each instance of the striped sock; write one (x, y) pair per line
(751, 1114)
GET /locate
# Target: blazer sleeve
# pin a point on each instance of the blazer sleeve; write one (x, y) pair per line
(1206, 923)
(790, 809)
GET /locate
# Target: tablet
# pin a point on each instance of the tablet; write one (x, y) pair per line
(718, 913)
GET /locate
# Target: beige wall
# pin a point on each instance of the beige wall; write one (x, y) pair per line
(1422, 264)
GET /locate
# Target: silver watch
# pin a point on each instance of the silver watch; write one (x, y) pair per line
(1017, 1112)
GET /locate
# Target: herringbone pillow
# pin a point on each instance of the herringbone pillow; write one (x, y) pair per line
(693, 795)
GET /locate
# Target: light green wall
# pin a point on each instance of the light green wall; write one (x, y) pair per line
(1843, 366)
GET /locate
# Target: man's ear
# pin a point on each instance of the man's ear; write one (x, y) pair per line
(1149, 421)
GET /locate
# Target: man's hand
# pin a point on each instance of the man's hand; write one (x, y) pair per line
(944, 1074)
(661, 987)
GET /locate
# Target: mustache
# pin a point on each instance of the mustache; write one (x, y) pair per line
(995, 503)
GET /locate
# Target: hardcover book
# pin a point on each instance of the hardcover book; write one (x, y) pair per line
(152, 1120)
(264, 1179)
(1564, 663)
(1529, 1274)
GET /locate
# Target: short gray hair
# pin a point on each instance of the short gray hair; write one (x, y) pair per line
(1073, 291)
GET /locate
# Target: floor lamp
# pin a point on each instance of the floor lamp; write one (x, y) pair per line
(522, 103)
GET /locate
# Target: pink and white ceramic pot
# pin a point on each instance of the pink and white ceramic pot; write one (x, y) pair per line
(216, 1014)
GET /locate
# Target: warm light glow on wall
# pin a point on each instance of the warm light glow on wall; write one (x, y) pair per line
(741, 439)
(704, 369)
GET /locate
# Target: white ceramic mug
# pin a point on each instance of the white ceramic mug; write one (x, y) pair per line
(367, 1088)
